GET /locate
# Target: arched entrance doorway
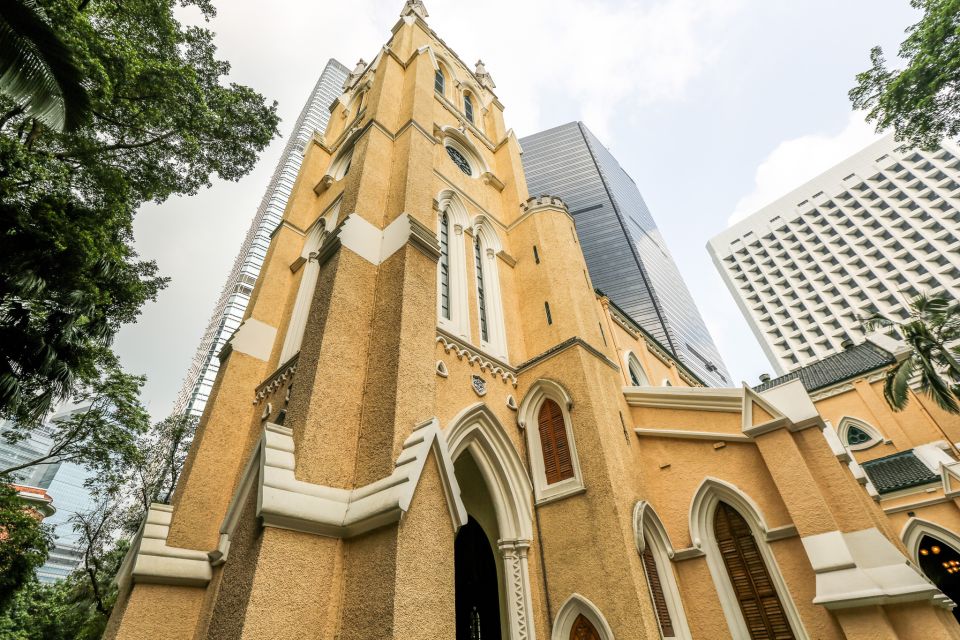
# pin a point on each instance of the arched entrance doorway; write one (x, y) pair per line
(941, 564)
(476, 584)
(496, 494)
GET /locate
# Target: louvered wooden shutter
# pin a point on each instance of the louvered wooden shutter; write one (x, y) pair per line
(557, 462)
(656, 593)
(583, 629)
(759, 602)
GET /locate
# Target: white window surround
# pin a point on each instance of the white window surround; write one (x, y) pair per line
(575, 606)
(527, 418)
(496, 342)
(648, 529)
(703, 507)
(844, 427)
(341, 163)
(631, 365)
(666, 383)
(458, 140)
(308, 285)
(457, 218)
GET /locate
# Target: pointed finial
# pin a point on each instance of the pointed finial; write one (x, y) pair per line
(356, 73)
(414, 7)
(483, 77)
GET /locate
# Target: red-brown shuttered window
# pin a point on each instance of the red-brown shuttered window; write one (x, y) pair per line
(656, 593)
(583, 629)
(759, 601)
(553, 440)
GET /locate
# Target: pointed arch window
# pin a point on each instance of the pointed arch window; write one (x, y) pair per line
(638, 377)
(481, 293)
(656, 553)
(557, 461)
(657, 594)
(445, 266)
(858, 434)
(439, 82)
(468, 108)
(760, 604)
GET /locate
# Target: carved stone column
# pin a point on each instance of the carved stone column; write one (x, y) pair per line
(517, 576)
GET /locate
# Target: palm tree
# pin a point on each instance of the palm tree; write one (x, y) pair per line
(932, 333)
(37, 70)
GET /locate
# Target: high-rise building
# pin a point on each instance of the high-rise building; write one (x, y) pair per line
(463, 443)
(865, 236)
(16, 453)
(232, 303)
(627, 257)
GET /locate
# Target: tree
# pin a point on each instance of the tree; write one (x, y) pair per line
(932, 333)
(104, 434)
(921, 101)
(37, 70)
(24, 543)
(163, 121)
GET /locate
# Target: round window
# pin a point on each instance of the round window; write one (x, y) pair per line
(459, 160)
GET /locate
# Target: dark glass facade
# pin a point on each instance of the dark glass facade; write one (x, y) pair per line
(626, 255)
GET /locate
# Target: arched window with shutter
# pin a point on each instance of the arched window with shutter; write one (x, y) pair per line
(657, 594)
(445, 265)
(557, 463)
(756, 594)
(656, 553)
(545, 415)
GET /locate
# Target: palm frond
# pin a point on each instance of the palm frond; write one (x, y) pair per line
(937, 388)
(37, 70)
(896, 385)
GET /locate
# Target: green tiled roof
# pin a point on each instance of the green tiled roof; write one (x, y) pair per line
(899, 471)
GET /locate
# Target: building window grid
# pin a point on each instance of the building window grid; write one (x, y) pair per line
(481, 300)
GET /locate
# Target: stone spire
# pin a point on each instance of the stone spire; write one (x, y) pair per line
(483, 77)
(356, 73)
(414, 7)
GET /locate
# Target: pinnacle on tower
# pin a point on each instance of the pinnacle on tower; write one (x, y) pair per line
(414, 7)
(483, 77)
(356, 73)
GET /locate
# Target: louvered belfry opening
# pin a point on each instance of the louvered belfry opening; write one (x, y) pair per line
(656, 593)
(583, 629)
(553, 439)
(759, 601)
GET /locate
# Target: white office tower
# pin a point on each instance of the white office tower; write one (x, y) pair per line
(230, 307)
(865, 236)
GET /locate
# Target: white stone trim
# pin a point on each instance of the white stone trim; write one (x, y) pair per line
(253, 338)
(305, 291)
(702, 509)
(648, 529)
(527, 417)
(692, 398)
(950, 477)
(863, 568)
(458, 220)
(376, 246)
(575, 605)
(843, 428)
(683, 434)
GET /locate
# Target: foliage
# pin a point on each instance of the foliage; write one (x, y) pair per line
(103, 435)
(24, 543)
(921, 101)
(163, 122)
(37, 70)
(932, 333)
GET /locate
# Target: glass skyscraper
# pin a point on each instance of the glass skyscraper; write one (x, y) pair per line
(626, 255)
(228, 312)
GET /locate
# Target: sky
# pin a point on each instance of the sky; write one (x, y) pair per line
(714, 107)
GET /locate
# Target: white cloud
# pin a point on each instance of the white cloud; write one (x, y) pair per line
(794, 162)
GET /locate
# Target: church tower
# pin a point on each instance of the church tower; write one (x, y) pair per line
(427, 425)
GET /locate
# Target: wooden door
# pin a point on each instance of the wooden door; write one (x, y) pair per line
(759, 601)
(583, 629)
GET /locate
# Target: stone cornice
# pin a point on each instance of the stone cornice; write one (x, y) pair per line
(462, 350)
(563, 346)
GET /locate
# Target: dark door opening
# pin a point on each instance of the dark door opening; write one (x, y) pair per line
(941, 563)
(477, 593)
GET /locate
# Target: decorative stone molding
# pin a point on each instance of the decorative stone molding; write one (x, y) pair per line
(375, 245)
(863, 568)
(950, 476)
(483, 76)
(151, 561)
(691, 398)
(323, 184)
(288, 503)
(538, 203)
(451, 344)
(254, 338)
(517, 573)
(276, 380)
(492, 180)
(442, 369)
